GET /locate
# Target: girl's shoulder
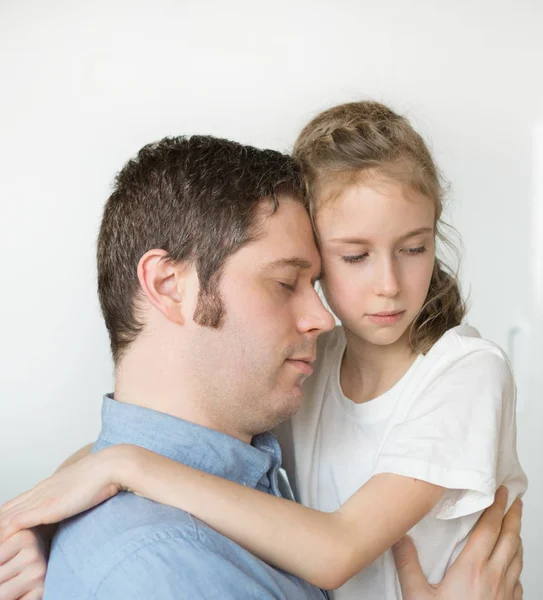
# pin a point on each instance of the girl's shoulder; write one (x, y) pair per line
(462, 349)
(462, 341)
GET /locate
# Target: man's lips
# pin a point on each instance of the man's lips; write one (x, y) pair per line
(302, 363)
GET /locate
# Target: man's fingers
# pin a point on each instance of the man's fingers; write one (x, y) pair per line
(412, 579)
(513, 572)
(508, 541)
(483, 539)
(519, 592)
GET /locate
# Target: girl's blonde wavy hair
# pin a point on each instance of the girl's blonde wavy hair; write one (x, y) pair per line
(359, 139)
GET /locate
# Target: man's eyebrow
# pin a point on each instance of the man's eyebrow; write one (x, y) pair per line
(358, 240)
(297, 263)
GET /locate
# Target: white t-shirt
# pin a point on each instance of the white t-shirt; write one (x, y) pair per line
(449, 421)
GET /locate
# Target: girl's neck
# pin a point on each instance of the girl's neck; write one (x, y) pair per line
(369, 370)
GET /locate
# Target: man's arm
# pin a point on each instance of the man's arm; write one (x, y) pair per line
(488, 568)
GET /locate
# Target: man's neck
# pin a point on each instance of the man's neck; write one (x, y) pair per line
(159, 381)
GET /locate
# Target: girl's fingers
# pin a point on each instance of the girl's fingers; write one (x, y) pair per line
(8, 550)
(36, 594)
(24, 500)
(37, 512)
(11, 568)
(24, 521)
(14, 545)
(8, 515)
(15, 587)
(12, 504)
(23, 551)
(23, 573)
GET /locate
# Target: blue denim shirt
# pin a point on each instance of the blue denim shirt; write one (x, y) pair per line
(135, 549)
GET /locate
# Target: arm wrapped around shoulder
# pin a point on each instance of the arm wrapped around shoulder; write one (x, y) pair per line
(460, 433)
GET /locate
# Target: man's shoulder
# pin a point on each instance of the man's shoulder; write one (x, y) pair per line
(133, 546)
(91, 545)
(124, 515)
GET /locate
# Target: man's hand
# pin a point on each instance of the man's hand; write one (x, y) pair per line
(23, 562)
(488, 568)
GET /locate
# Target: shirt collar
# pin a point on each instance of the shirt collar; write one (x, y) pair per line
(194, 445)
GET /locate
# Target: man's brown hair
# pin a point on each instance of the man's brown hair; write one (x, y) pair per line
(198, 198)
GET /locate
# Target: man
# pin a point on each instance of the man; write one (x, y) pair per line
(206, 271)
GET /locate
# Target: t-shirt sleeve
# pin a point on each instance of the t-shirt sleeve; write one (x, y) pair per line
(456, 432)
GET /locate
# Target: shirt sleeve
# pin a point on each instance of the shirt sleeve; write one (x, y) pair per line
(457, 433)
(177, 568)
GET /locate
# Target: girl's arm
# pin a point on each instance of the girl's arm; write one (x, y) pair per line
(24, 554)
(76, 456)
(47, 532)
(325, 549)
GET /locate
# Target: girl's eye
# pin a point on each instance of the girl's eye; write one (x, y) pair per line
(356, 258)
(414, 251)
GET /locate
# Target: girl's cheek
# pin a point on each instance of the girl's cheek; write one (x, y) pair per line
(343, 293)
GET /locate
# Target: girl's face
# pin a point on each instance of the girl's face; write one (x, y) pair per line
(378, 252)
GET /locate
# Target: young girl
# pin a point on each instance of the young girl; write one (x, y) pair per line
(409, 419)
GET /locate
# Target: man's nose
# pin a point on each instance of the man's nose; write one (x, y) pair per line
(315, 318)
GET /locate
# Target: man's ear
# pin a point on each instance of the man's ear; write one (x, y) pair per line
(163, 282)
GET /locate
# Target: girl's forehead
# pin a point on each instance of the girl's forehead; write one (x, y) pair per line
(375, 204)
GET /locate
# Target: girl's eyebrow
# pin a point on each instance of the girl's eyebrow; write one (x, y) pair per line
(362, 241)
(418, 232)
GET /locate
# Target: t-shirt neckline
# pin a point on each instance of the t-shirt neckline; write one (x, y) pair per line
(378, 408)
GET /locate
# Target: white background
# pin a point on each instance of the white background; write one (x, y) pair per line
(84, 85)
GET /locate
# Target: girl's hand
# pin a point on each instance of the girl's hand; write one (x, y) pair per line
(68, 492)
(23, 561)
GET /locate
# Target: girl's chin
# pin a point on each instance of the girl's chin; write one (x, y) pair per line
(382, 336)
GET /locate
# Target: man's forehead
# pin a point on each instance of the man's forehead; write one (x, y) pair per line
(284, 237)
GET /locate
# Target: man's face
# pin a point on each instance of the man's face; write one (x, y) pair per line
(256, 362)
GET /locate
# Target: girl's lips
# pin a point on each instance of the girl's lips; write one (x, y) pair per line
(386, 318)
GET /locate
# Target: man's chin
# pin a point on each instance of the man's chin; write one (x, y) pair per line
(293, 401)
(286, 407)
